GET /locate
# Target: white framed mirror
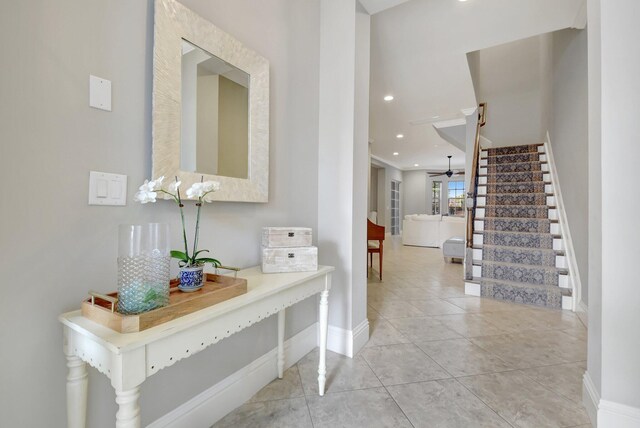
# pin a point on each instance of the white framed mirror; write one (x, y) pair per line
(210, 106)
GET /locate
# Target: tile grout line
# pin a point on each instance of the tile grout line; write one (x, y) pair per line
(385, 388)
(483, 402)
(304, 394)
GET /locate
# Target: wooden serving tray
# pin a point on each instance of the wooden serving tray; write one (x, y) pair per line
(216, 289)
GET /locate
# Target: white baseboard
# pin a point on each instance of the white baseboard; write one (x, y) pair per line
(216, 402)
(472, 289)
(616, 415)
(360, 336)
(348, 342)
(590, 398)
(583, 313)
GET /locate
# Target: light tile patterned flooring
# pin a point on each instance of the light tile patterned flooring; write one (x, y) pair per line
(436, 358)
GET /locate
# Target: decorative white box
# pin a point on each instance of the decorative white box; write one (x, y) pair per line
(289, 259)
(281, 237)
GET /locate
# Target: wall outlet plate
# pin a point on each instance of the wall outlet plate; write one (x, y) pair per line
(99, 93)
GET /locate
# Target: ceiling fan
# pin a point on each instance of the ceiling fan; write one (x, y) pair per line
(448, 172)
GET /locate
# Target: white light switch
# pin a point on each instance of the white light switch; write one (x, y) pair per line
(102, 191)
(99, 93)
(107, 189)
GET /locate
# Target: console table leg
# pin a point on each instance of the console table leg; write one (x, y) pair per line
(128, 415)
(77, 382)
(324, 319)
(281, 344)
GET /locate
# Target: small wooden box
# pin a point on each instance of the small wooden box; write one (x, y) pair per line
(286, 237)
(216, 289)
(291, 259)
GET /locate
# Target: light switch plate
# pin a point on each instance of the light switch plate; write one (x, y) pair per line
(99, 93)
(107, 189)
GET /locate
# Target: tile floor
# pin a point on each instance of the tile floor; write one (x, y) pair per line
(436, 358)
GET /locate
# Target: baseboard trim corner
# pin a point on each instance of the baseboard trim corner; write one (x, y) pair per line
(213, 404)
(347, 342)
(590, 398)
(616, 415)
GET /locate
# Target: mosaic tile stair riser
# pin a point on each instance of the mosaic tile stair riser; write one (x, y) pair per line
(518, 259)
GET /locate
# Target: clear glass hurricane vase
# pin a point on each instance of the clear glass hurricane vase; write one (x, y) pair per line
(143, 267)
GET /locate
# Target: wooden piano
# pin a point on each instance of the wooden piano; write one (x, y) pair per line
(374, 233)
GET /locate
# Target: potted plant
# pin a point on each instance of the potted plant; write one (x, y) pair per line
(191, 263)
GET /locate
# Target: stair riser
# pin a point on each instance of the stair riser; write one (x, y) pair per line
(515, 199)
(506, 239)
(525, 295)
(508, 168)
(503, 255)
(540, 212)
(531, 275)
(515, 188)
(531, 148)
(520, 158)
(480, 213)
(513, 225)
(563, 279)
(516, 256)
(516, 177)
(528, 225)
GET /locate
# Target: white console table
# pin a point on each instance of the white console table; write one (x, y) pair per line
(128, 359)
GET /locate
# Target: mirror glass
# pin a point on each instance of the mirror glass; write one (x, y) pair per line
(215, 115)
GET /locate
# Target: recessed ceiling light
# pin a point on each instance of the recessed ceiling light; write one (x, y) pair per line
(435, 117)
(415, 164)
(462, 0)
(435, 145)
(396, 153)
(400, 136)
(388, 98)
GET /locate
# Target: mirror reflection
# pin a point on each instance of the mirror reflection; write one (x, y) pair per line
(215, 115)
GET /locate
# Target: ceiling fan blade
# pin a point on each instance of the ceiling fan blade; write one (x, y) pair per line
(435, 174)
(460, 173)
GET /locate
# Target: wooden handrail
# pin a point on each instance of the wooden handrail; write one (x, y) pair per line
(473, 183)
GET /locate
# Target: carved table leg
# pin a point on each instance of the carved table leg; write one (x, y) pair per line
(281, 344)
(128, 415)
(77, 382)
(324, 319)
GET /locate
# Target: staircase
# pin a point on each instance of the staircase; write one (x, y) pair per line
(518, 251)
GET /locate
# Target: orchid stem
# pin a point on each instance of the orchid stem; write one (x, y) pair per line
(184, 230)
(195, 238)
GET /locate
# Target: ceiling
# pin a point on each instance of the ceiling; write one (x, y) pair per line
(418, 55)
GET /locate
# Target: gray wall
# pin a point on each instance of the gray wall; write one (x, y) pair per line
(415, 192)
(55, 247)
(373, 189)
(510, 78)
(569, 138)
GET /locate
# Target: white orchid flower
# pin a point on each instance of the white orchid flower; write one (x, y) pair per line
(152, 186)
(195, 191)
(144, 196)
(173, 187)
(156, 184)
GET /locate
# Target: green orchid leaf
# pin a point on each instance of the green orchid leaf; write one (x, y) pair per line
(198, 252)
(214, 262)
(179, 255)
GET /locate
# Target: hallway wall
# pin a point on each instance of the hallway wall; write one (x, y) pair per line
(54, 247)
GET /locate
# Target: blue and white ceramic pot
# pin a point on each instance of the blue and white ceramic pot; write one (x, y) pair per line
(191, 278)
